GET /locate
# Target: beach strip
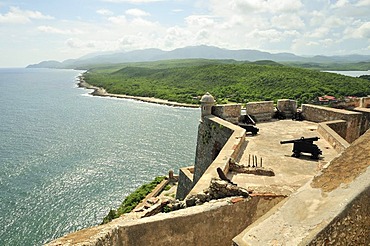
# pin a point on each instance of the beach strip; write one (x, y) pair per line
(98, 91)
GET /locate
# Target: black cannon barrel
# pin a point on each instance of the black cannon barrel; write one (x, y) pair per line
(302, 139)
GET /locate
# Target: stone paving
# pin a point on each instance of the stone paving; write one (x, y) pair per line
(290, 172)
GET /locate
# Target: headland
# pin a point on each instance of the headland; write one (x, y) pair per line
(101, 92)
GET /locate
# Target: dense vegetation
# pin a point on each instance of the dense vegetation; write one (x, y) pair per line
(229, 81)
(132, 200)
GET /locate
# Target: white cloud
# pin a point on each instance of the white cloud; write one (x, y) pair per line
(105, 12)
(137, 12)
(363, 31)
(272, 6)
(140, 22)
(287, 21)
(320, 32)
(132, 1)
(119, 20)
(340, 4)
(363, 3)
(79, 44)
(199, 20)
(50, 29)
(19, 16)
(271, 35)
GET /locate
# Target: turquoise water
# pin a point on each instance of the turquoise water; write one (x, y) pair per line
(66, 158)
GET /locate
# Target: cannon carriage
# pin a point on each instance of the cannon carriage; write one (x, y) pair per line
(304, 145)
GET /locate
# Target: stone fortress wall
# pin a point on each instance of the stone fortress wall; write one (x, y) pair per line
(221, 222)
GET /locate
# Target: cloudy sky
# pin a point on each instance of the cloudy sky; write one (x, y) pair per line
(36, 30)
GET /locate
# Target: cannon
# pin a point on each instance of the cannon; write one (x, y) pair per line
(247, 122)
(304, 145)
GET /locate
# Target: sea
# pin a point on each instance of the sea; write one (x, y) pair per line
(67, 158)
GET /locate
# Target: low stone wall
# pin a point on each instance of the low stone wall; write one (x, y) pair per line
(287, 106)
(365, 102)
(185, 184)
(203, 172)
(365, 121)
(261, 111)
(321, 114)
(333, 132)
(213, 223)
(229, 112)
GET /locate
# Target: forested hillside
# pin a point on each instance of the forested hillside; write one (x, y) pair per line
(229, 81)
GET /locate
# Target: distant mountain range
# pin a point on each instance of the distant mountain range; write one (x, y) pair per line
(203, 51)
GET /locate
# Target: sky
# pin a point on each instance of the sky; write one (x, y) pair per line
(36, 30)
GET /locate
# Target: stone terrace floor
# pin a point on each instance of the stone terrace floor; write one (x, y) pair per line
(290, 172)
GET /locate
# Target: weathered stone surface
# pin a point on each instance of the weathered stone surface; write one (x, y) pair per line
(287, 106)
(261, 111)
(185, 183)
(221, 188)
(211, 138)
(320, 114)
(229, 112)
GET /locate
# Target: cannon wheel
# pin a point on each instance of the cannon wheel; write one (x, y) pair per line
(296, 154)
(315, 156)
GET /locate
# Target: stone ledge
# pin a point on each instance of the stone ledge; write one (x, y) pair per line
(335, 140)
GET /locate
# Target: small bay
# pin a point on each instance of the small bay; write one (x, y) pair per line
(351, 73)
(66, 158)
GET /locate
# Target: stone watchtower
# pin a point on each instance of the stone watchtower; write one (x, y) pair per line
(206, 103)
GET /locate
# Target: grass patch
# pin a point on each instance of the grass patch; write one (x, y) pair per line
(132, 200)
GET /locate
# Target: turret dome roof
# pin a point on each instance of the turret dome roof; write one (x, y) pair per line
(207, 98)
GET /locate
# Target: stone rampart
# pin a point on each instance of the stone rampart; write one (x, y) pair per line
(261, 111)
(213, 223)
(229, 112)
(321, 114)
(185, 184)
(218, 141)
(213, 133)
(365, 121)
(334, 132)
(364, 102)
(287, 106)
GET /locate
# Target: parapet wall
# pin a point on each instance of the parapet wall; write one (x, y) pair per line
(287, 106)
(229, 112)
(261, 111)
(321, 114)
(365, 121)
(213, 223)
(364, 102)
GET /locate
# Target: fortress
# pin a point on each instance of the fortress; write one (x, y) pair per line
(247, 189)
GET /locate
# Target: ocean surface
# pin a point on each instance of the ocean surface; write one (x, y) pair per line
(66, 158)
(351, 73)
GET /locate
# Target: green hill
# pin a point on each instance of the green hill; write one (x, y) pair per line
(229, 81)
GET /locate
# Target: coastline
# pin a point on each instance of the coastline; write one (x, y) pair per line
(101, 92)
